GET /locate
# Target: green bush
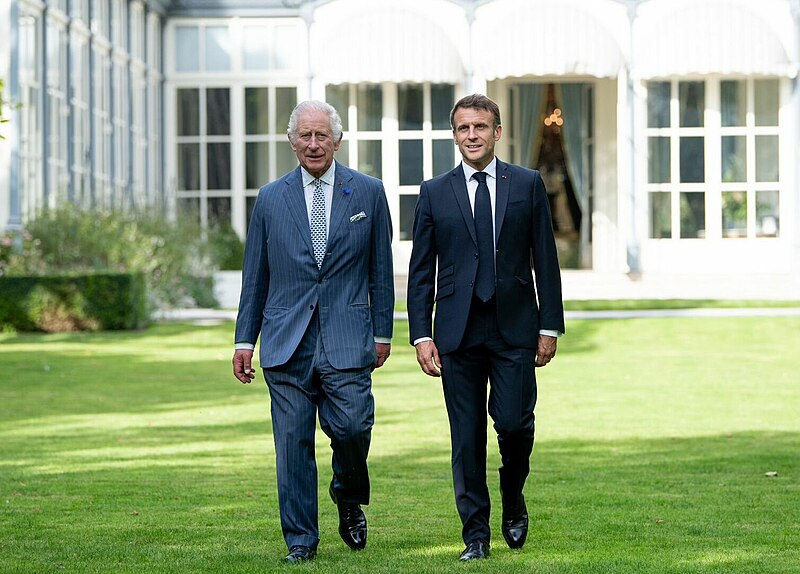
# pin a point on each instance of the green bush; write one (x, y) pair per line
(97, 301)
(175, 257)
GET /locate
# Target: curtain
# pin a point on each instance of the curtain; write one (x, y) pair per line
(530, 126)
(572, 135)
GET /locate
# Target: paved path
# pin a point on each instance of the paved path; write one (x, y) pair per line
(215, 315)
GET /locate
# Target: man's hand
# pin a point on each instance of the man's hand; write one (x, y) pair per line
(546, 350)
(428, 358)
(242, 365)
(383, 350)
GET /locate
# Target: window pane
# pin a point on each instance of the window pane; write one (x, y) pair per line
(219, 211)
(218, 112)
(693, 214)
(409, 107)
(660, 215)
(218, 47)
(285, 160)
(442, 100)
(369, 158)
(443, 156)
(658, 94)
(693, 162)
(187, 49)
(188, 112)
(343, 155)
(658, 160)
(692, 97)
(218, 170)
(407, 205)
(255, 48)
(256, 110)
(188, 166)
(370, 108)
(189, 209)
(339, 98)
(256, 168)
(767, 213)
(767, 158)
(285, 101)
(734, 158)
(766, 102)
(410, 162)
(734, 102)
(734, 214)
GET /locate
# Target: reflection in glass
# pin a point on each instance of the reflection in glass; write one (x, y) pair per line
(766, 101)
(218, 112)
(188, 112)
(370, 107)
(339, 97)
(693, 214)
(409, 106)
(188, 166)
(734, 158)
(256, 164)
(733, 94)
(734, 214)
(442, 99)
(187, 49)
(218, 47)
(660, 215)
(218, 170)
(408, 204)
(658, 96)
(767, 166)
(658, 160)
(255, 48)
(692, 96)
(443, 156)
(369, 158)
(285, 101)
(767, 213)
(410, 162)
(693, 162)
(256, 110)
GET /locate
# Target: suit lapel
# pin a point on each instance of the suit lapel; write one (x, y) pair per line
(459, 186)
(296, 202)
(503, 184)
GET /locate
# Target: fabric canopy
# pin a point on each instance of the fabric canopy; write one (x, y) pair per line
(356, 41)
(713, 37)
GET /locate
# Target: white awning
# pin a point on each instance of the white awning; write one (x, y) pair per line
(680, 38)
(513, 38)
(356, 41)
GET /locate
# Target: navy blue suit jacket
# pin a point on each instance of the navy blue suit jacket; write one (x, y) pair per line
(444, 260)
(282, 287)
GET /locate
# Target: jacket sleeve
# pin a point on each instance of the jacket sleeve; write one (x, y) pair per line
(421, 270)
(255, 276)
(381, 269)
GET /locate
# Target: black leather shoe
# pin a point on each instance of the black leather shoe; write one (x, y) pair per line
(475, 550)
(515, 526)
(352, 522)
(300, 554)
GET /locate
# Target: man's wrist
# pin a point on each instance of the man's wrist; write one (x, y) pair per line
(421, 340)
(247, 346)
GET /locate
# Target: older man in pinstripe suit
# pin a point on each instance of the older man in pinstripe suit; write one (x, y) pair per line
(317, 286)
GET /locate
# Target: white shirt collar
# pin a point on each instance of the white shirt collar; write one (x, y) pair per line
(328, 177)
(490, 169)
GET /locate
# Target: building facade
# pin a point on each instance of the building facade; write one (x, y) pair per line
(668, 131)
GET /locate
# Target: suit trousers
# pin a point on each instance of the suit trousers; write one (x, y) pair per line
(300, 389)
(484, 356)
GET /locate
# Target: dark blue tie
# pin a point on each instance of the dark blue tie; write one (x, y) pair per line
(484, 230)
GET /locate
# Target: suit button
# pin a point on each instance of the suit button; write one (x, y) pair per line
(472, 283)
(311, 307)
(476, 255)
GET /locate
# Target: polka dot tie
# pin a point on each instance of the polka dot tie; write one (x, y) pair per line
(319, 232)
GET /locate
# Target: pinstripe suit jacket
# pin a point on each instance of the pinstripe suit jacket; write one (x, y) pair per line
(281, 285)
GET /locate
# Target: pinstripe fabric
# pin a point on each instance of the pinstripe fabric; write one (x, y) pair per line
(317, 329)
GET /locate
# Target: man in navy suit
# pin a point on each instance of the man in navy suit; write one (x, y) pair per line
(482, 232)
(318, 287)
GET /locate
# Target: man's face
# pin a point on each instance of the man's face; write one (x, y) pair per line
(475, 136)
(313, 143)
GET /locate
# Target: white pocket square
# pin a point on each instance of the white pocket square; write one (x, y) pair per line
(358, 216)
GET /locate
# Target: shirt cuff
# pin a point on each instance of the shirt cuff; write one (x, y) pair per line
(421, 340)
(247, 346)
(384, 340)
(550, 333)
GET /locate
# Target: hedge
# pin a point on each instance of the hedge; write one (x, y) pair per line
(96, 301)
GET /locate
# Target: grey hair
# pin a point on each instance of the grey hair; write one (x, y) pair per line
(316, 106)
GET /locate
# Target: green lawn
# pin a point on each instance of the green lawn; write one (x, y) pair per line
(139, 452)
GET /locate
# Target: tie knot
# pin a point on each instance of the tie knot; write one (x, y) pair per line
(317, 183)
(480, 176)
